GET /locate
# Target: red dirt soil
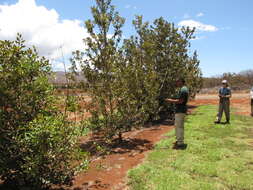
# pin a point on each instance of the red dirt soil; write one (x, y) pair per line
(109, 171)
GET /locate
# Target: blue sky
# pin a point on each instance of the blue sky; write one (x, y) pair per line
(224, 36)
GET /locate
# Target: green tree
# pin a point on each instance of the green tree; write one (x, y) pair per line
(128, 82)
(99, 64)
(36, 146)
(194, 75)
(142, 82)
(163, 50)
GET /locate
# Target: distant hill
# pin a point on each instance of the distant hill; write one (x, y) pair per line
(59, 78)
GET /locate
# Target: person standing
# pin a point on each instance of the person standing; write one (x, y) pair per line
(224, 102)
(251, 102)
(181, 108)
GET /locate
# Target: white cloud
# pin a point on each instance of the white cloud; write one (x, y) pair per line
(41, 27)
(200, 14)
(128, 6)
(198, 25)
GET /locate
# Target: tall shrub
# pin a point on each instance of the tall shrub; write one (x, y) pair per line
(99, 64)
(163, 50)
(35, 147)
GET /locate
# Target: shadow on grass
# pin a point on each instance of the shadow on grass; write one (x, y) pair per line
(190, 107)
(222, 123)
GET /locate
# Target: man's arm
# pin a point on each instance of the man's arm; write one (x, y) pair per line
(226, 96)
(229, 94)
(175, 101)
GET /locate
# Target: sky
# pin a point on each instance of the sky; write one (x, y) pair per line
(224, 28)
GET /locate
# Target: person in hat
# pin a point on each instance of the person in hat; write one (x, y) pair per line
(251, 101)
(181, 108)
(224, 102)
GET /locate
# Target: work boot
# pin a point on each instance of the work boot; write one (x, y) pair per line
(179, 146)
(217, 122)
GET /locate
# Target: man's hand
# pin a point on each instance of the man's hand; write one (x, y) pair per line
(225, 96)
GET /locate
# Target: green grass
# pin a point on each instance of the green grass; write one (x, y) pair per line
(218, 157)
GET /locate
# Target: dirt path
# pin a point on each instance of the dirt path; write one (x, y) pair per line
(109, 172)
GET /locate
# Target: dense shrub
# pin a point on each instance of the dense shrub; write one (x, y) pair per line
(163, 50)
(36, 145)
(45, 156)
(25, 91)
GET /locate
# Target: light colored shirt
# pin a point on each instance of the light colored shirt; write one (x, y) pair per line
(251, 93)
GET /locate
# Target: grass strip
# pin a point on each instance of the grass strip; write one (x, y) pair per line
(218, 157)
